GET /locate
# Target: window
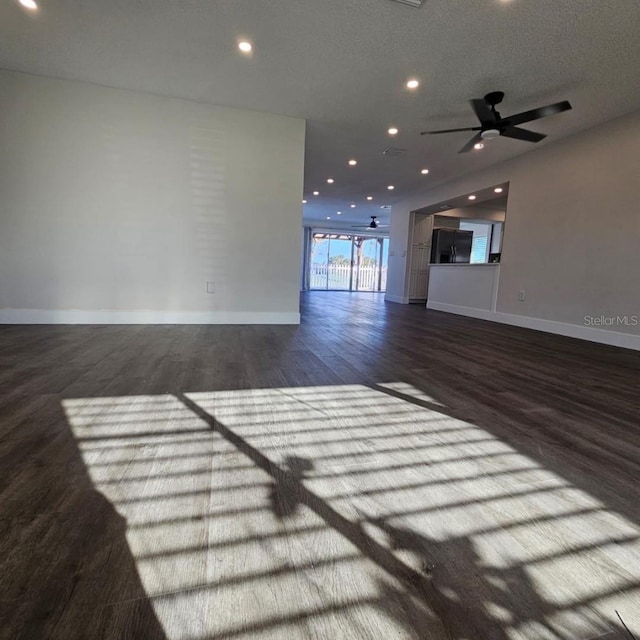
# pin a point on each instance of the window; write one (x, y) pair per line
(481, 239)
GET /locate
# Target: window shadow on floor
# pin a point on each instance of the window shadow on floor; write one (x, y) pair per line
(67, 569)
(443, 588)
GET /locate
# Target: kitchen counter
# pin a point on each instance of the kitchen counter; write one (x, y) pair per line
(461, 287)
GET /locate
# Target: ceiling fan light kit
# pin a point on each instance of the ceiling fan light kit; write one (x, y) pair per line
(412, 3)
(490, 134)
(493, 125)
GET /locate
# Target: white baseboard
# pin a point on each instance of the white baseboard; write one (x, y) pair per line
(399, 299)
(105, 316)
(614, 338)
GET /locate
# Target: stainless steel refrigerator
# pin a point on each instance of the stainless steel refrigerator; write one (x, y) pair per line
(451, 245)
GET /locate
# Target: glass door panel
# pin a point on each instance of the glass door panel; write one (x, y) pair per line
(339, 264)
(366, 266)
(318, 265)
(383, 263)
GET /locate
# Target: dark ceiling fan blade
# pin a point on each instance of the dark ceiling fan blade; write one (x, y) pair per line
(467, 147)
(522, 134)
(424, 133)
(536, 114)
(483, 111)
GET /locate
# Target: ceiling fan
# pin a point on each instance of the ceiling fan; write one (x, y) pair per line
(492, 124)
(374, 224)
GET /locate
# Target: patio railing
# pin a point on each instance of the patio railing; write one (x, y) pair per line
(338, 276)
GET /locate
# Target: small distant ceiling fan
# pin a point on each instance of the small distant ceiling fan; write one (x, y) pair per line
(374, 224)
(492, 124)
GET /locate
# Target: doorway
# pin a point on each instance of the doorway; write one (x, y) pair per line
(345, 262)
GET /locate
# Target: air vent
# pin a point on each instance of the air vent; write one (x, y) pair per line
(412, 3)
(394, 152)
(386, 206)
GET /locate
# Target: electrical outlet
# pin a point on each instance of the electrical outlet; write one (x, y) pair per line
(522, 295)
(211, 287)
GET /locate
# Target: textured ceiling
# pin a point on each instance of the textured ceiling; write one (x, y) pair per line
(342, 64)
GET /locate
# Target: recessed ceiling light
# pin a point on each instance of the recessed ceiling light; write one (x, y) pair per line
(330, 180)
(478, 145)
(244, 46)
(393, 131)
(498, 190)
(32, 5)
(472, 197)
(328, 217)
(353, 206)
(413, 83)
(369, 197)
(353, 163)
(304, 202)
(316, 193)
(424, 172)
(339, 213)
(391, 187)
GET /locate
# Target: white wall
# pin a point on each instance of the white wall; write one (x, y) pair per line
(471, 213)
(399, 255)
(120, 207)
(572, 234)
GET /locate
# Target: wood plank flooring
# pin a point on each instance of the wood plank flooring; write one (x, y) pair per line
(381, 471)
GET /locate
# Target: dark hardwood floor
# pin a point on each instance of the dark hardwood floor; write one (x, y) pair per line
(381, 471)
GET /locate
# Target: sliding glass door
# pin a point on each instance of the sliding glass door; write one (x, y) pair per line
(341, 262)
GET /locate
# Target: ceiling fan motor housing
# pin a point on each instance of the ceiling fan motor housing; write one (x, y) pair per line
(494, 98)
